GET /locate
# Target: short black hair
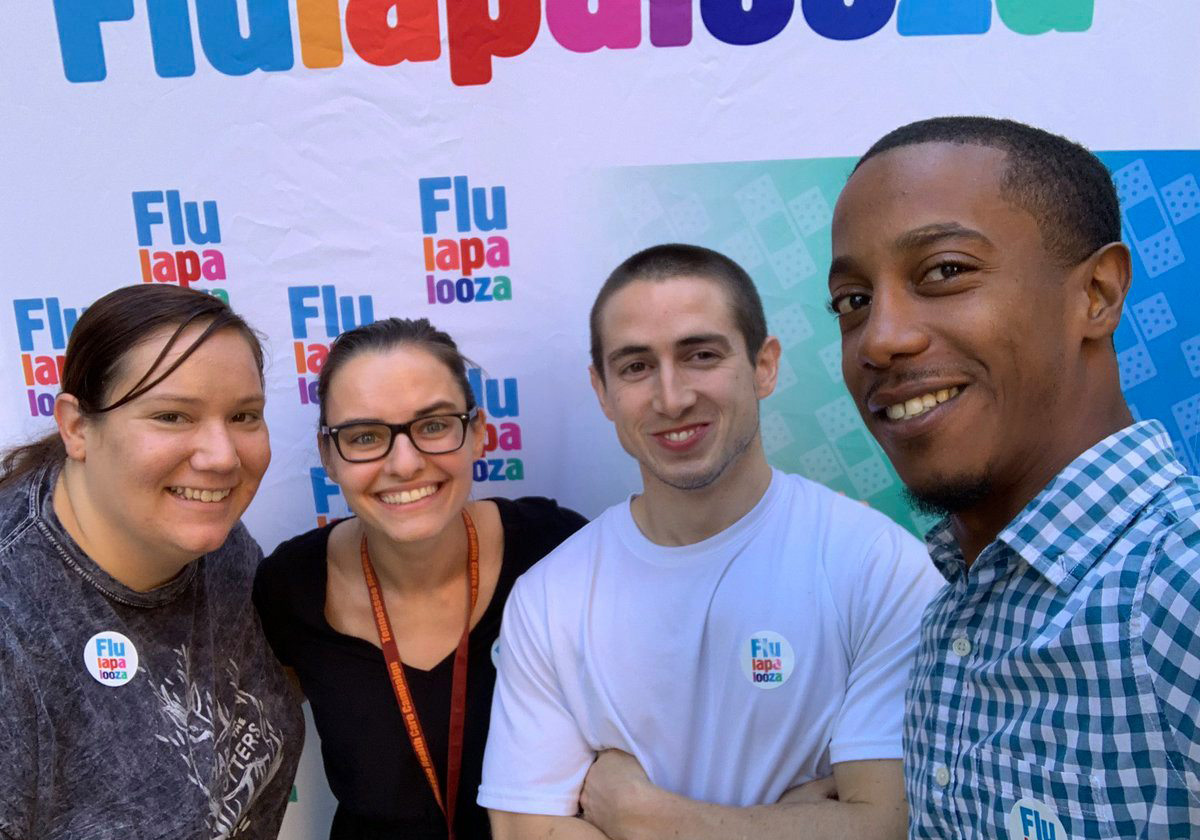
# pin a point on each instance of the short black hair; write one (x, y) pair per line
(1065, 187)
(666, 262)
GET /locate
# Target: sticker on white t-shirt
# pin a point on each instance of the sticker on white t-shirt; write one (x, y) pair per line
(111, 658)
(496, 653)
(1030, 819)
(767, 659)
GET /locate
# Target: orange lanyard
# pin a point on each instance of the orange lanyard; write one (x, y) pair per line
(458, 688)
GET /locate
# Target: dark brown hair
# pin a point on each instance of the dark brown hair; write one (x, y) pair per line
(666, 262)
(390, 333)
(103, 337)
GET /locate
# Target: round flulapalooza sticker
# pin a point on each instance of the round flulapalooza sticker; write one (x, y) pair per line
(496, 653)
(111, 658)
(767, 659)
(1030, 819)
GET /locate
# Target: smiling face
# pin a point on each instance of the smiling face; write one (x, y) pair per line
(407, 496)
(959, 343)
(679, 385)
(168, 474)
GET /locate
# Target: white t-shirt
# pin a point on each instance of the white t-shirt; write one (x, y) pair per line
(732, 669)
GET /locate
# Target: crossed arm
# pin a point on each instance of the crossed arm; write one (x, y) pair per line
(620, 803)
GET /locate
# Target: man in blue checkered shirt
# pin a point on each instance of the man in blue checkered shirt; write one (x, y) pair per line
(978, 278)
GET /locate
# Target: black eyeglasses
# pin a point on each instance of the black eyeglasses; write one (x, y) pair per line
(437, 434)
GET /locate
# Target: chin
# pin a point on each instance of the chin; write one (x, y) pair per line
(947, 495)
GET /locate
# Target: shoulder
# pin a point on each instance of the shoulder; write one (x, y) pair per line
(294, 561)
(19, 508)
(842, 521)
(535, 525)
(567, 566)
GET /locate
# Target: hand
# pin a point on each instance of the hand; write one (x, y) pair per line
(615, 792)
(818, 790)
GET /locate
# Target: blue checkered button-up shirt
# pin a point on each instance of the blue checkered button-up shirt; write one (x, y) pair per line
(1056, 690)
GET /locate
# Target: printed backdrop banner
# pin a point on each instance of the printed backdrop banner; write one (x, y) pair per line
(322, 163)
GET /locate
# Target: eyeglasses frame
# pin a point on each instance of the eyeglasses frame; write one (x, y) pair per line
(397, 429)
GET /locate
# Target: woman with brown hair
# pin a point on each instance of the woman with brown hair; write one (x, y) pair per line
(138, 697)
(390, 617)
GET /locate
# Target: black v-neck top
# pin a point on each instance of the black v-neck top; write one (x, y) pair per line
(369, 761)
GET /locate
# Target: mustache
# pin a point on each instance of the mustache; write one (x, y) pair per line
(904, 377)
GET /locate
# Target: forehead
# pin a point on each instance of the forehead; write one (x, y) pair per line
(657, 312)
(928, 184)
(388, 383)
(227, 349)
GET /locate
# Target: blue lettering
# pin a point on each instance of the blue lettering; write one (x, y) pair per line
(731, 22)
(301, 312)
(481, 288)
(267, 47)
(499, 218)
(462, 203)
(431, 205)
(323, 489)
(944, 17)
(27, 325)
(145, 218)
(175, 217)
(835, 20)
(79, 35)
(211, 232)
(171, 38)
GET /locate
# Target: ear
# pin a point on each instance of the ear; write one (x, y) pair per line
(480, 425)
(601, 391)
(72, 426)
(328, 455)
(1106, 283)
(766, 367)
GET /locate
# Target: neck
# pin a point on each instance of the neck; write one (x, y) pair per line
(671, 516)
(120, 557)
(418, 567)
(977, 527)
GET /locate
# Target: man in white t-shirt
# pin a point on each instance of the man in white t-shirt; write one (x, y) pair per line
(725, 637)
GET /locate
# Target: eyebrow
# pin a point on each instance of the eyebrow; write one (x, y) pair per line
(911, 239)
(683, 343)
(181, 399)
(439, 407)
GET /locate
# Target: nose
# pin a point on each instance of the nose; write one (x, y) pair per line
(673, 394)
(215, 449)
(405, 460)
(892, 329)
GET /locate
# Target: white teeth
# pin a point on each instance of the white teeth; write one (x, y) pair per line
(676, 437)
(917, 406)
(405, 497)
(196, 495)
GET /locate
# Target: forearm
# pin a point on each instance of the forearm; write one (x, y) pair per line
(509, 826)
(679, 817)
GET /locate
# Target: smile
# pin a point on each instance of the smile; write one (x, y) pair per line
(195, 494)
(407, 497)
(916, 406)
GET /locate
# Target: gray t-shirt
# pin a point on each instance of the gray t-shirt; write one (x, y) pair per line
(198, 739)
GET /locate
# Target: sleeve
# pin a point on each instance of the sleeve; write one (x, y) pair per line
(19, 735)
(271, 602)
(536, 757)
(1171, 641)
(889, 593)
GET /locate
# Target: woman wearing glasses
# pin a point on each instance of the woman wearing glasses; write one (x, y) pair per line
(390, 617)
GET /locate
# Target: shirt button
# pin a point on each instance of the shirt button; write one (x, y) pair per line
(941, 775)
(961, 646)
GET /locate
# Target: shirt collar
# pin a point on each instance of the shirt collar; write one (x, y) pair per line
(1066, 527)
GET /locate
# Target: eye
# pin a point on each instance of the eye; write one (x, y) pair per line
(844, 304)
(364, 438)
(945, 269)
(246, 417)
(433, 426)
(169, 417)
(634, 369)
(705, 356)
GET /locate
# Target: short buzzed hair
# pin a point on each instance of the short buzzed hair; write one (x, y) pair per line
(666, 262)
(1066, 188)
